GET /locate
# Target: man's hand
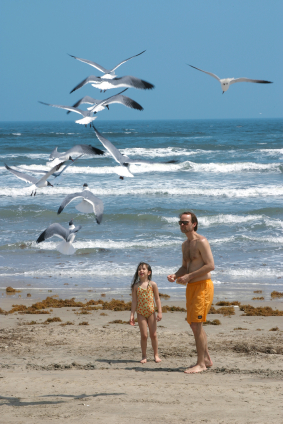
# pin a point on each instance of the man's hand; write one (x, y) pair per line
(183, 280)
(132, 320)
(159, 316)
(171, 278)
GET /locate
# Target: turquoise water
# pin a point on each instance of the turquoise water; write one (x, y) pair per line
(229, 172)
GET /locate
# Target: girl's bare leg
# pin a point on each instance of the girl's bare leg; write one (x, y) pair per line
(143, 329)
(153, 335)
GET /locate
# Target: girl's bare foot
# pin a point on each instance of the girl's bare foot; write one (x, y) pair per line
(195, 369)
(157, 359)
(143, 361)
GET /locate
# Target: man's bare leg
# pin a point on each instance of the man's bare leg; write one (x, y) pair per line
(143, 329)
(153, 335)
(201, 345)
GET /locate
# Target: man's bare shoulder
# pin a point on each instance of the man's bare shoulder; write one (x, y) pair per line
(202, 241)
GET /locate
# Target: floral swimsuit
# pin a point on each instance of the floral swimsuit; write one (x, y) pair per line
(145, 301)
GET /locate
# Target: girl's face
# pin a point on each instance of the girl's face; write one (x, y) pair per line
(143, 272)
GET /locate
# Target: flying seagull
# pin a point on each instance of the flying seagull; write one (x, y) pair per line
(89, 203)
(226, 82)
(102, 104)
(68, 236)
(108, 73)
(83, 149)
(87, 116)
(38, 183)
(55, 174)
(123, 160)
(106, 83)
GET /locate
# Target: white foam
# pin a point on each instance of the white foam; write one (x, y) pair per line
(207, 221)
(16, 134)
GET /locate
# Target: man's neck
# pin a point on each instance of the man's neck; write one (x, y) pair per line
(191, 235)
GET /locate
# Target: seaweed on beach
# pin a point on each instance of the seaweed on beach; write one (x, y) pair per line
(224, 303)
(225, 310)
(10, 290)
(258, 291)
(117, 305)
(167, 308)
(120, 321)
(274, 329)
(264, 311)
(276, 294)
(258, 298)
(164, 295)
(214, 322)
(55, 319)
(67, 323)
(2, 312)
(84, 323)
(240, 328)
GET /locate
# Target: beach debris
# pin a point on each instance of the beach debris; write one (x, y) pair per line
(223, 303)
(167, 308)
(240, 328)
(258, 298)
(225, 310)
(258, 291)
(274, 329)
(67, 323)
(214, 322)
(2, 312)
(84, 323)
(50, 320)
(264, 311)
(103, 314)
(119, 321)
(164, 295)
(28, 295)
(10, 290)
(276, 294)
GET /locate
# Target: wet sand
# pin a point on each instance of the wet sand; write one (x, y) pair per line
(91, 373)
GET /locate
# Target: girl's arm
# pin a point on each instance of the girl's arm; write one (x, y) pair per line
(134, 305)
(157, 301)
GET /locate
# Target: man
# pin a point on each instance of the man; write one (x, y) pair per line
(195, 274)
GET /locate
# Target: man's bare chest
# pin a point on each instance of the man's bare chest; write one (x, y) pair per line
(191, 252)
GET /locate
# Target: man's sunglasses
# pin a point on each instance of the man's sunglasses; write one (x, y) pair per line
(184, 222)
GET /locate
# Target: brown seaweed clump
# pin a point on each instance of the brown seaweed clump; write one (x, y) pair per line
(258, 298)
(55, 319)
(2, 312)
(104, 314)
(164, 295)
(264, 311)
(10, 290)
(49, 302)
(225, 310)
(240, 328)
(274, 329)
(258, 291)
(119, 321)
(67, 323)
(117, 305)
(223, 303)
(167, 308)
(276, 294)
(214, 322)
(84, 323)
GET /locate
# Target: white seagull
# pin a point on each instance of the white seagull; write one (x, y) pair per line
(83, 149)
(123, 160)
(90, 203)
(68, 236)
(108, 73)
(106, 83)
(38, 183)
(102, 104)
(226, 82)
(87, 116)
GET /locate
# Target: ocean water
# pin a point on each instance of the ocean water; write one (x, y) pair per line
(229, 172)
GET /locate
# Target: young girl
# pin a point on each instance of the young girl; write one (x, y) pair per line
(144, 291)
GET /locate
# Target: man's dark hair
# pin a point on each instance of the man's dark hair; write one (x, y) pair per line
(193, 218)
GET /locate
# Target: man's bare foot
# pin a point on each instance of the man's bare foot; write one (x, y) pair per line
(157, 359)
(195, 369)
(143, 361)
(208, 364)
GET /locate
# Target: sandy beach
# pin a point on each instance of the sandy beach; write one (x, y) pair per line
(91, 373)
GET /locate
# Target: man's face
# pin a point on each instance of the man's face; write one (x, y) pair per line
(186, 225)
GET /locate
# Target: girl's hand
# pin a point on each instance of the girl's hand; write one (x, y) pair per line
(159, 316)
(132, 320)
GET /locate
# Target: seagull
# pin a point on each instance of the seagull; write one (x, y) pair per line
(68, 236)
(87, 116)
(89, 203)
(83, 149)
(106, 83)
(55, 174)
(42, 182)
(108, 73)
(102, 104)
(226, 82)
(123, 160)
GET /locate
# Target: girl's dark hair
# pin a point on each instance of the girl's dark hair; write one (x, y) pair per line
(136, 276)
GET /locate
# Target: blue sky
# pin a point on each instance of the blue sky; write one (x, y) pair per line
(228, 38)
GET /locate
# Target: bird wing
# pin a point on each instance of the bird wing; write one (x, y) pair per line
(121, 63)
(85, 99)
(130, 81)
(52, 170)
(95, 65)
(249, 80)
(54, 153)
(68, 199)
(209, 73)
(53, 230)
(96, 203)
(119, 98)
(91, 78)
(121, 159)
(74, 230)
(86, 149)
(70, 108)
(71, 162)
(27, 178)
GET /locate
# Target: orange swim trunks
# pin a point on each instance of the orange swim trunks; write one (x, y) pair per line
(199, 297)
